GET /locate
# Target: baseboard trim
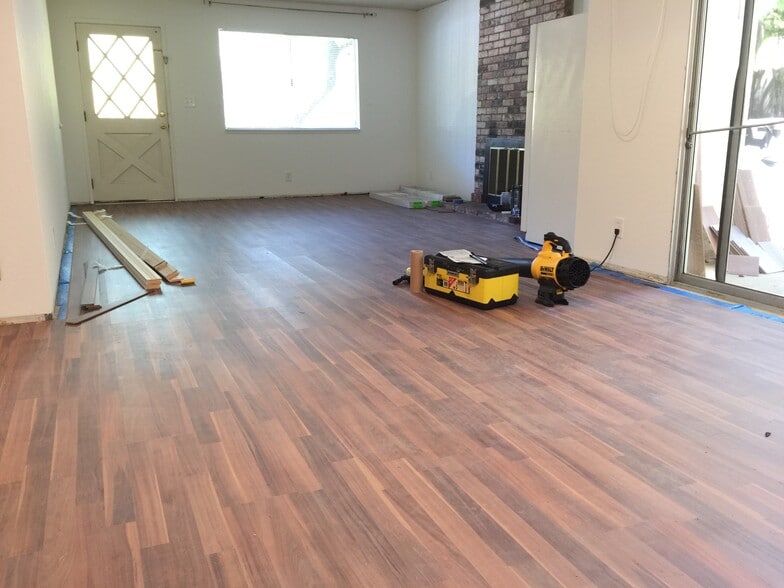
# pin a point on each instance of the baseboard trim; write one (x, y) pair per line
(32, 318)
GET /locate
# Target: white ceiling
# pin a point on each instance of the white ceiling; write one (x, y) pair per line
(402, 4)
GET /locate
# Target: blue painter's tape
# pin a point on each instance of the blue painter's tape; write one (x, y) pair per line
(520, 239)
(64, 280)
(694, 296)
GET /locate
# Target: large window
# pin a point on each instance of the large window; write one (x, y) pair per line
(284, 82)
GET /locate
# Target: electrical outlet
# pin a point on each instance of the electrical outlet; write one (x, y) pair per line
(289, 176)
(618, 225)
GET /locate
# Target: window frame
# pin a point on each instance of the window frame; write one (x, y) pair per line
(290, 129)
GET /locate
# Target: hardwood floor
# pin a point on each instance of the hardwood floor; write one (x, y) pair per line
(296, 420)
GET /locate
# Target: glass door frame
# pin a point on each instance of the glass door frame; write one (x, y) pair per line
(717, 286)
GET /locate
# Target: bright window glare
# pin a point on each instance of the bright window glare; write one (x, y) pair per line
(274, 82)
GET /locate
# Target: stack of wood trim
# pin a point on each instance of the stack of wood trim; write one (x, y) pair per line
(749, 235)
(766, 255)
(142, 273)
(151, 258)
(753, 238)
(743, 245)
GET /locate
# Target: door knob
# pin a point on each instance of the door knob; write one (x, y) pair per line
(161, 114)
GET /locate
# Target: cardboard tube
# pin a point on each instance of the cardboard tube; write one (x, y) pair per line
(417, 270)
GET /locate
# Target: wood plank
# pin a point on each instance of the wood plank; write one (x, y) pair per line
(30, 524)
(63, 561)
(757, 223)
(90, 297)
(585, 490)
(767, 263)
(83, 318)
(739, 213)
(213, 529)
(150, 518)
(142, 273)
(135, 549)
(742, 265)
(13, 459)
(65, 439)
(235, 460)
(746, 188)
(408, 563)
(683, 537)
(695, 256)
(637, 563)
(547, 555)
(284, 466)
(753, 213)
(710, 222)
(167, 272)
(292, 554)
(465, 539)
(145, 253)
(155, 261)
(110, 559)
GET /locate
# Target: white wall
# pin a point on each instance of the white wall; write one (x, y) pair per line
(635, 179)
(32, 194)
(211, 163)
(447, 78)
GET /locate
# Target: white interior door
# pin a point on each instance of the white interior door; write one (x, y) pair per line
(553, 127)
(127, 122)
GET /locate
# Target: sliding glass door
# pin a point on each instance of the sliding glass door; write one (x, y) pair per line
(733, 238)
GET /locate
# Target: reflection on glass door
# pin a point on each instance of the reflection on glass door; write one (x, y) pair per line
(735, 228)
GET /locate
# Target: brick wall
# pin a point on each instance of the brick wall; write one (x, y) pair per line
(503, 68)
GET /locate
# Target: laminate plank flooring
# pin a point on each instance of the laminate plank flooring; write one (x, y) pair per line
(296, 420)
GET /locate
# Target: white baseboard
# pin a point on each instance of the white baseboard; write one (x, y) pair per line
(33, 318)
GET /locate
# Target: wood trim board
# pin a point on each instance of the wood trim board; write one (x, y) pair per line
(142, 273)
(145, 253)
(89, 300)
(767, 263)
(155, 261)
(168, 273)
(103, 310)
